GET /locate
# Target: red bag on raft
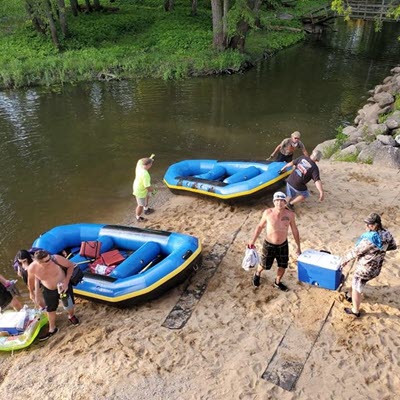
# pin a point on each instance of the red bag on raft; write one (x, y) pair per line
(106, 262)
(90, 249)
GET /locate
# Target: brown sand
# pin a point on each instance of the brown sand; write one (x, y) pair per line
(235, 331)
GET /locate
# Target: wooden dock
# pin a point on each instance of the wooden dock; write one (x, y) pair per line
(319, 15)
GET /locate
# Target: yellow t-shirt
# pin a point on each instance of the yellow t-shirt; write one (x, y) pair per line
(141, 182)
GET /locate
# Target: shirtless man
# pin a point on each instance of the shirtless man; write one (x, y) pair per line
(46, 269)
(277, 221)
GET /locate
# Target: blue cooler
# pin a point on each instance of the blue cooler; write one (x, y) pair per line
(320, 269)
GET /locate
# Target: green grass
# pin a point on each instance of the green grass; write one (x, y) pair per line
(341, 138)
(140, 40)
(348, 157)
(396, 104)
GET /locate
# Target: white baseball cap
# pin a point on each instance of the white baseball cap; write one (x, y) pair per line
(279, 196)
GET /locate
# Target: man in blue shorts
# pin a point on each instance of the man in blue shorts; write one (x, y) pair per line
(276, 221)
(306, 168)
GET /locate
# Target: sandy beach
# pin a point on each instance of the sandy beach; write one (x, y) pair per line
(236, 332)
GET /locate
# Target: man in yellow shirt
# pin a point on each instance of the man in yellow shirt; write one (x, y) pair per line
(142, 187)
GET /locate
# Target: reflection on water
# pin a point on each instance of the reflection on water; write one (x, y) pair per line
(68, 154)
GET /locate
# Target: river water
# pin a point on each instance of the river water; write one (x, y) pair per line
(67, 154)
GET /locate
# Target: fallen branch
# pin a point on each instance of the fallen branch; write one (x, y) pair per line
(282, 28)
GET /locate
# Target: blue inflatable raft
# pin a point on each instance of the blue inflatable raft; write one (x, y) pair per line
(224, 180)
(132, 265)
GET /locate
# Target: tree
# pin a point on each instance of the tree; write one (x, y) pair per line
(219, 22)
(62, 18)
(37, 21)
(168, 5)
(49, 16)
(74, 7)
(194, 7)
(243, 17)
(51, 22)
(231, 24)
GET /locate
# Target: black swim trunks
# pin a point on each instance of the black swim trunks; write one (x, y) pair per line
(283, 157)
(5, 296)
(52, 297)
(270, 252)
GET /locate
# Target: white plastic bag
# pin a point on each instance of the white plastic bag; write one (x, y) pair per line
(251, 259)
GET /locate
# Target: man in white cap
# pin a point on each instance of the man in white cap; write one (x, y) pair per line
(276, 222)
(287, 147)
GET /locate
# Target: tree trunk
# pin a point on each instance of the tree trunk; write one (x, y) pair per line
(194, 8)
(36, 21)
(74, 7)
(63, 18)
(96, 5)
(168, 5)
(219, 39)
(239, 39)
(52, 24)
(88, 6)
(225, 21)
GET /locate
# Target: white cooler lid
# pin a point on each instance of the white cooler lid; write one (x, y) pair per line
(320, 259)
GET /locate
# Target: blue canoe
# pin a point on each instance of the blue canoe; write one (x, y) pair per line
(224, 180)
(153, 261)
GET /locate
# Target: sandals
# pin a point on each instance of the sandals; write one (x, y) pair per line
(349, 311)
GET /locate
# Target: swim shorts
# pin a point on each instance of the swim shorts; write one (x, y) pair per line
(52, 297)
(270, 252)
(292, 192)
(282, 157)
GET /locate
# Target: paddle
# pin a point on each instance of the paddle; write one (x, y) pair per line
(151, 263)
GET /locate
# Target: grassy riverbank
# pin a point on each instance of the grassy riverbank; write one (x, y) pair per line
(139, 40)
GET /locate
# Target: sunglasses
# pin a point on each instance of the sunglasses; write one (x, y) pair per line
(45, 261)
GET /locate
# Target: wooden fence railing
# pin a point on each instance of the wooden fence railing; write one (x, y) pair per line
(360, 9)
(371, 10)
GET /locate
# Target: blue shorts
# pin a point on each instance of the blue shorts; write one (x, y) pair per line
(292, 192)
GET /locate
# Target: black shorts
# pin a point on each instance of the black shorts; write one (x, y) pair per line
(282, 157)
(52, 297)
(270, 252)
(5, 296)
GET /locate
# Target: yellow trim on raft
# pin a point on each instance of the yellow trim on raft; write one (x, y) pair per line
(233, 195)
(142, 291)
